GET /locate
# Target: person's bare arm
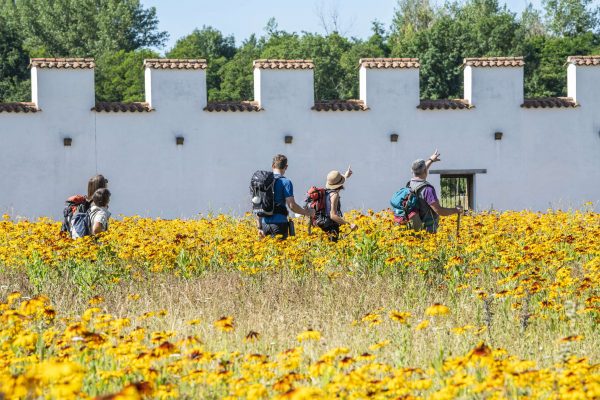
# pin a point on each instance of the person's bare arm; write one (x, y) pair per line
(335, 198)
(435, 157)
(444, 211)
(97, 228)
(292, 205)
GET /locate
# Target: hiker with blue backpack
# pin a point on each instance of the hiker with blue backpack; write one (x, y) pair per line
(76, 217)
(272, 194)
(417, 205)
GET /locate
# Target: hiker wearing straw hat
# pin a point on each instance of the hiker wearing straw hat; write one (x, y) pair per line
(332, 217)
(429, 207)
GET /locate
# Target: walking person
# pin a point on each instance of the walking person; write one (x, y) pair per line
(278, 198)
(99, 214)
(427, 208)
(333, 218)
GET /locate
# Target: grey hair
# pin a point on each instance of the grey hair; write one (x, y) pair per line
(419, 166)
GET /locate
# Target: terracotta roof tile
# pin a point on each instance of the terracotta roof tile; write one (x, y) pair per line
(340, 105)
(175, 63)
(445, 104)
(389, 62)
(283, 64)
(121, 107)
(18, 107)
(233, 106)
(584, 60)
(550, 102)
(74, 63)
(494, 62)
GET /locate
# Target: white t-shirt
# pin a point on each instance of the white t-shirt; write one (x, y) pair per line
(99, 215)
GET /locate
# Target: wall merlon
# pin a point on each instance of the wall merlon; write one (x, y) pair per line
(491, 81)
(389, 82)
(583, 78)
(175, 86)
(62, 85)
(284, 86)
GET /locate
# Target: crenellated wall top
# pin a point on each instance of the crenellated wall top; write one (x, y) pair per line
(387, 63)
(283, 64)
(584, 60)
(175, 63)
(65, 63)
(494, 62)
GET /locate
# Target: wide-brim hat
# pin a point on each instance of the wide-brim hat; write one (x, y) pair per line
(335, 180)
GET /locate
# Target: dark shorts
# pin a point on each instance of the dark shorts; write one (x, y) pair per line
(276, 229)
(332, 229)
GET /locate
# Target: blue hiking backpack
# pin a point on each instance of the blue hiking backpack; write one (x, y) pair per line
(405, 202)
(77, 221)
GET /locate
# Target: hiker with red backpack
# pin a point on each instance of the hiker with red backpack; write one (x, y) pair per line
(76, 218)
(272, 194)
(416, 205)
(327, 204)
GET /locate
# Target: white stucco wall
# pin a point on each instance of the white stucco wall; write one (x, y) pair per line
(546, 158)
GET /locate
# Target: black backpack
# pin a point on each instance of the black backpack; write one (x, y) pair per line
(262, 192)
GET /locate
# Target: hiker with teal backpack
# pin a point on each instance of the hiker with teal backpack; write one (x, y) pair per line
(417, 205)
(327, 205)
(272, 194)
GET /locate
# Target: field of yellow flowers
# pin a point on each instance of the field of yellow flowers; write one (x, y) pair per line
(510, 308)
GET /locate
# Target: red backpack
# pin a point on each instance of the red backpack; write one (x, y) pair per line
(316, 199)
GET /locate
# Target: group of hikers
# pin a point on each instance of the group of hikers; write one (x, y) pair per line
(415, 206)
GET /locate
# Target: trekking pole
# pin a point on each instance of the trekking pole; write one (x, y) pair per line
(458, 223)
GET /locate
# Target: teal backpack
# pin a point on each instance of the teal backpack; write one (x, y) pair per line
(405, 203)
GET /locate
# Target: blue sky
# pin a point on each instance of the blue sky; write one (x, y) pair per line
(243, 17)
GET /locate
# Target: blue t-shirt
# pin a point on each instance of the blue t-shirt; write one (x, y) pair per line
(283, 190)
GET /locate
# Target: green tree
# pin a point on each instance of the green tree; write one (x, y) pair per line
(545, 58)
(571, 17)
(474, 29)
(208, 43)
(237, 78)
(120, 76)
(83, 28)
(14, 83)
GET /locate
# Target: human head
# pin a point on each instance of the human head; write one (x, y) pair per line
(335, 180)
(101, 197)
(95, 183)
(280, 162)
(419, 168)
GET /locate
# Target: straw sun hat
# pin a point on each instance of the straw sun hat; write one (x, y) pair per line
(335, 180)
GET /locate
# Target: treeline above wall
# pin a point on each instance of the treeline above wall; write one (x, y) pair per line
(439, 36)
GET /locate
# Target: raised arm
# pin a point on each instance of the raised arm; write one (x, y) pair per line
(435, 157)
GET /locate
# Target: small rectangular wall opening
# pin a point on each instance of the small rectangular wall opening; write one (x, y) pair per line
(457, 189)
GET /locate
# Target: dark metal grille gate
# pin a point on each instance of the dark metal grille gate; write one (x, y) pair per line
(457, 190)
